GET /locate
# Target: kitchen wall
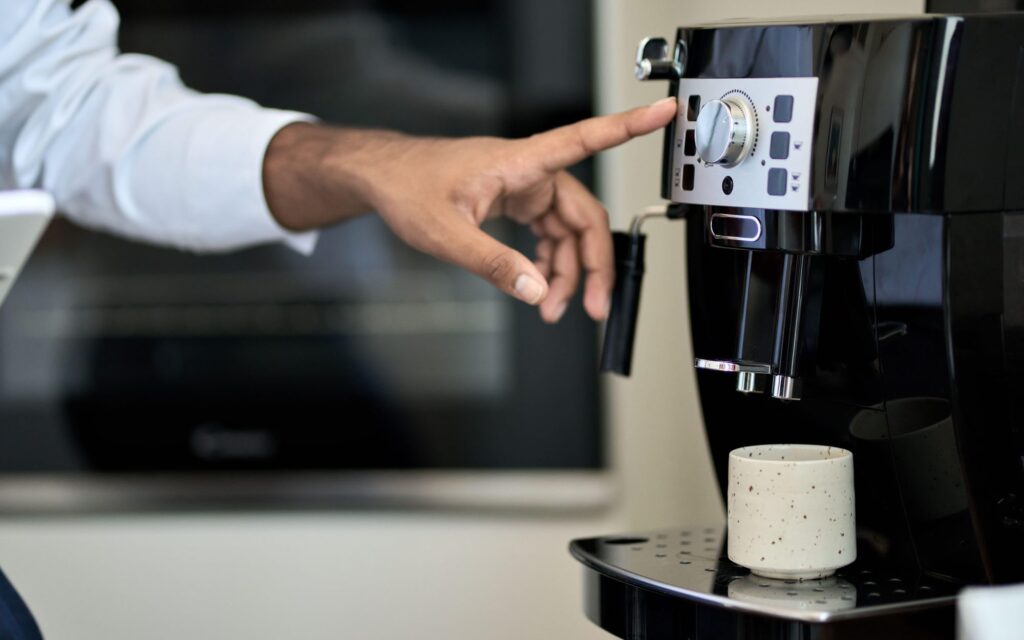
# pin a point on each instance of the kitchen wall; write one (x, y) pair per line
(389, 575)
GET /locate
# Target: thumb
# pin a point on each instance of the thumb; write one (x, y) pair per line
(508, 270)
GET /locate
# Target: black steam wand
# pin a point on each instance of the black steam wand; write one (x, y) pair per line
(617, 355)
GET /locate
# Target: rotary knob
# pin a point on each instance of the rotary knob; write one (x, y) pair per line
(724, 131)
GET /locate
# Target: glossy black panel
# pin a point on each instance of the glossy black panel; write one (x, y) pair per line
(917, 425)
(787, 51)
(983, 282)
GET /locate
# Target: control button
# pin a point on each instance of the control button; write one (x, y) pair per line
(783, 109)
(727, 185)
(777, 182)
(688, 177)
(729, 226)
(690, 148)
(780, 146)
(692, 107)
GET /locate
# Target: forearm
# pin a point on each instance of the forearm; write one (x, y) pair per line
(315, 175)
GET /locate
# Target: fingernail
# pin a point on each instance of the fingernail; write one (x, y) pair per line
(528, 289)
(663, 101)
(559, 311)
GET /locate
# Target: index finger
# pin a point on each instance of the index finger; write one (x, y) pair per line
(565, 146)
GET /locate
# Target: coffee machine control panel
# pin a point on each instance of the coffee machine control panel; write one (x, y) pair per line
(744, 142)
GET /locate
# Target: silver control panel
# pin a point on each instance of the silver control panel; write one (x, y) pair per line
(744, 142)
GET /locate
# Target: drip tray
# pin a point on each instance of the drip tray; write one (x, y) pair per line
(666, 579)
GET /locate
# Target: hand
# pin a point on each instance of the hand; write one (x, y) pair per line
(434, 193)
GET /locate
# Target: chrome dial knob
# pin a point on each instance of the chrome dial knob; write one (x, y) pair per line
(724, 131)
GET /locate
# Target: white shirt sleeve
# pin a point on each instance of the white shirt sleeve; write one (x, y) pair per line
(121, 144)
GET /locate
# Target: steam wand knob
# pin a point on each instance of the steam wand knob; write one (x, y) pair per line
(654, 63)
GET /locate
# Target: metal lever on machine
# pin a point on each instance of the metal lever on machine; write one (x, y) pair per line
(654, 63)
(617, 354)
(748, 378)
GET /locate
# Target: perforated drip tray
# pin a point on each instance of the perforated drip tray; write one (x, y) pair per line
(691, 564)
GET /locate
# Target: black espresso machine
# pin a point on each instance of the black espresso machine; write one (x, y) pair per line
(853, 195)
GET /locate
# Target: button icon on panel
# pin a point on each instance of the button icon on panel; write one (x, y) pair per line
(688, 178)
(779, 149)
(692, 107)
(777, 182)
(783, 109)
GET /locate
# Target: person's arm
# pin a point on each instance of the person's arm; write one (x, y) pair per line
(435, 193)
(121, 144)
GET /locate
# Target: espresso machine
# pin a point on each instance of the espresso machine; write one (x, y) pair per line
(852, 191)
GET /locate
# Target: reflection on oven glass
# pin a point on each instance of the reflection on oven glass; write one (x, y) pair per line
(120, 357)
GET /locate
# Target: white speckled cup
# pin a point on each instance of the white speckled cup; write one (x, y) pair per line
(791, 510)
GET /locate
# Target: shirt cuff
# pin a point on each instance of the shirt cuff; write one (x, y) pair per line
(227, 160)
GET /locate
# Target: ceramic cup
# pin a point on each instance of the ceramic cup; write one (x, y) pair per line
(791, 510)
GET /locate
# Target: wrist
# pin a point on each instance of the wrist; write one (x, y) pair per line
(360, 162)
(314, 175)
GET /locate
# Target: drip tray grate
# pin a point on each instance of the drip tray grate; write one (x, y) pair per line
(691, 564)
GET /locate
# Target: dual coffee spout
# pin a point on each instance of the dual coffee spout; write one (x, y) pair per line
(768, 343)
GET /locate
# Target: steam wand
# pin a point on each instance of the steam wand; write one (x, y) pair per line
(617, 355)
